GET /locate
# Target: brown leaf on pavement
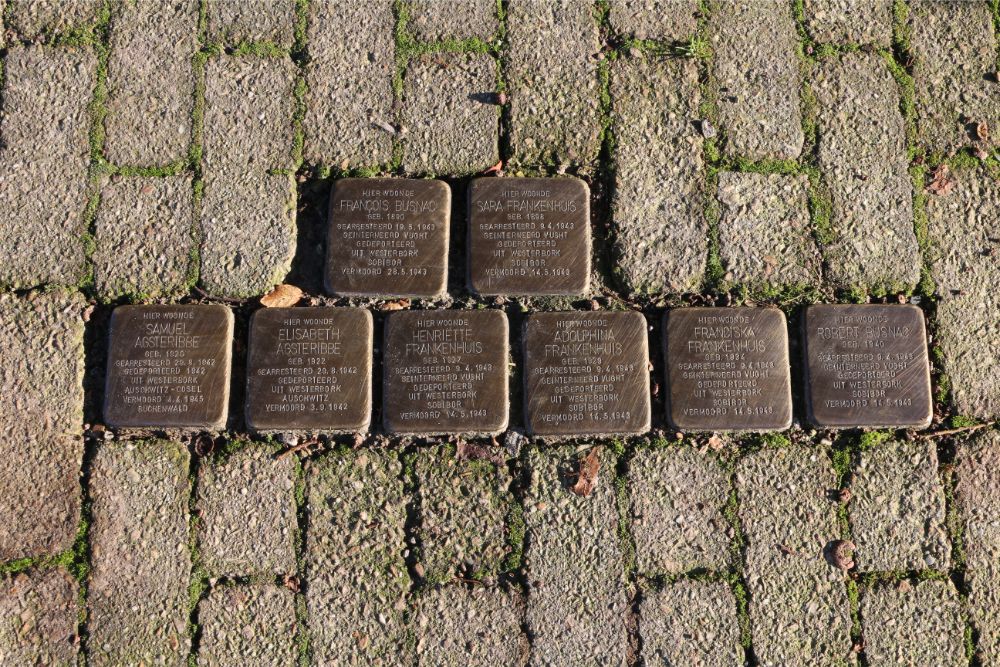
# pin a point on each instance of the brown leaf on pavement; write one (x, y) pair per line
(586, 479)
(281, 296)
(842, 554)
(495, 168)
(982, 131)
(390, 306)
(941, 181)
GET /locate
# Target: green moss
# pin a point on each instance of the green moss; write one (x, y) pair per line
(961, 421)
(821, 209)
(872, 439)
(516, 528)
(854, 602)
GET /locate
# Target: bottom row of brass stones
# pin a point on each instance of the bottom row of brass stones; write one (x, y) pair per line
(585, 373)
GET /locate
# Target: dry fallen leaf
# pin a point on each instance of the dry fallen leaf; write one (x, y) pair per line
(390, 306)
(982, 131)
(586, 479)
(281, 296)
(841, 554)
(715, 442)
(495, 168)
(941, 182)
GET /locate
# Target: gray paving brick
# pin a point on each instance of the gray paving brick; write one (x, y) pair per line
(38, 618)
(44, 154)
(433, 20)
(349, 77)
(463, 514)
(354, 559)
(765, 234)
(690, 623)
(450, 119)
(897, 510)
(674, 20)
(150, 83)
(657, 204)
(40, 422)
(455, 626)
(862, 155)
(248, 625)
(236, 21)
(143, 234)
(799, 611)
(246, 511)
(32, 18)
(576, 599)
(757, 72)
(849, 21)
(677, 497)
(137, 595)
(913, 624)
(962, 232)
(954, 57)
(552, 75)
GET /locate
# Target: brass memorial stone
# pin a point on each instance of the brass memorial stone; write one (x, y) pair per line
(586, 373)
(388, 237)
(727, 369)
(309, 368)
(866, 365)
(168, 366)
(445, 371)
(529, 236)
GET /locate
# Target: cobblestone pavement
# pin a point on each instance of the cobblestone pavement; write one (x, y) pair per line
(739, 152)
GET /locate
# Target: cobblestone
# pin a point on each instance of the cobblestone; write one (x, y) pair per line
(552, 75)
(690, 622)
(42, 381)
(657, 205)
(674, 20)
(434, 20)
(138, 590)
(354, 560)
(38, 618)
(850, 21)
(34, 18)
(862, 155)
(576, 599)
(677, 497)
(232, 22)
(150, 82)
(246, 511)
(456, 627)
(44, 155)
(248, 625)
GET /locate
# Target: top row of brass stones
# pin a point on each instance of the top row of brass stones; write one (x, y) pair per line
(446, 371)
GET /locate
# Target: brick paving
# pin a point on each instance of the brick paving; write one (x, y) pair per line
(738, 153)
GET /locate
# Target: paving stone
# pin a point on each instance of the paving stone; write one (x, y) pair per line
(913, 624)
(573, 561)
(246, 507)
(690, 623)
(248, 625)
(674, 20)
(143, 234)
(150, 84)
(553, 80)
(354, 559)
(31, 18)
(233, 22)
(765, 235)
(463, 515)
(44, 156)
(954, 72)
(38, 618)
(434, 20)
(962, 232)
(41, 379)
(657, 205)
(450, 117)
(897, 510)
(756, 68)
(862, 155)
(140, 565)
(799, 611)
(849, 21)
(677, 498)
(349, 97)
(455, 626)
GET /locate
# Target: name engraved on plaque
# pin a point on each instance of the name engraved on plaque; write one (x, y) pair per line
(168, 366)
(727, 369)
(309, 368)
(529, 236)
(866, 365)
(388, 237)
(586, 373)
(445, 372)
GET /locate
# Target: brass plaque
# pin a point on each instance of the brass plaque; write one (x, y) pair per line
(310, 368)
(866, 365)
(529, 236)
(445, 371)
(388, 237)
(727, 369)
(586, 373)
(168, 366)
